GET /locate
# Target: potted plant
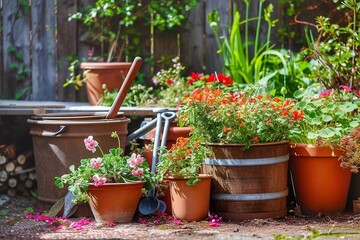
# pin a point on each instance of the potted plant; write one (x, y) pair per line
(321, 185)
(112, 183)
(189, 189)
(113, 30)
(248, 134)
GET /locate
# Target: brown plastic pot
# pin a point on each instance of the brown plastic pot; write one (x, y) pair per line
(190, 203)
(321, 185)
(58, 139)
(114, 202)
(111, 74)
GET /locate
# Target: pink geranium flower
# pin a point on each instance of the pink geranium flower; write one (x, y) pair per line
(326, 93)
(96, 163)
(346, 88)
(98, 181)
(90, 144)
(137, 172)
(135, 160)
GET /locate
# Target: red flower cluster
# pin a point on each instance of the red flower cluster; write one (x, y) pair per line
(212, 78)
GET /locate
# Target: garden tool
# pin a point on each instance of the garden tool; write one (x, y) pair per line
(150, 204)
(168, 117)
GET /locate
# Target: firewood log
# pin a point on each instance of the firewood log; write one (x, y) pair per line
(3, 160)
(11, 192)
(29, 183)
(12, 182)
(32, 176)
(8, 151)
(3, 176)
(10, 166)
(23, 158)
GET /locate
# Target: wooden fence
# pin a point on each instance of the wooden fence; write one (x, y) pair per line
(36, 43)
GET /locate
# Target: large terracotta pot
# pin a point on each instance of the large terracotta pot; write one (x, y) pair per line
(321, 185)
(111, 74)
(249, 184)
(115, 202)
(190, 203)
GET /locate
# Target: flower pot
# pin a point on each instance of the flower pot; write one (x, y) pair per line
(111, 74)
(115, 202)
(249, 184)
(321, 185)
(190, 203)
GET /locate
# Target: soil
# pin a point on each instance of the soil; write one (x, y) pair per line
(13, 225)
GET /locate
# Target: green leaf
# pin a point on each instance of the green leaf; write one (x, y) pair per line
(299, 94)
(327, 118)
(354, 124)
(312, 135)
(72, 168)
(326, 133)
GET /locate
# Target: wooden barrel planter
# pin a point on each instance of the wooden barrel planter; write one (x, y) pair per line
(249, 184)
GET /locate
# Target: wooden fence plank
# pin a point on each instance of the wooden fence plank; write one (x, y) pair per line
(44, 53)
(212, 59)
(66, 46)
(1, 52)
(192, 40)
(16, 36)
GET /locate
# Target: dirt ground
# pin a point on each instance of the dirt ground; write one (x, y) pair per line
(14, 224)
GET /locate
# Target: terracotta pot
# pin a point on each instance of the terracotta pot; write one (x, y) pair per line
(111, 74)
(115, 202)
(190, 203)
(249, 184)
(321, 185)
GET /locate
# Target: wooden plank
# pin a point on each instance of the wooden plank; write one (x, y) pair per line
(66, 46)
(16, 35)
(212, 59)
(44, 50)
(193, 49)
(1, 53)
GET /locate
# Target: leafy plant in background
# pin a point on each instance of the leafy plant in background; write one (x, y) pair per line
(111, 23)
(337, 49)
(244, 65)
(170, 87)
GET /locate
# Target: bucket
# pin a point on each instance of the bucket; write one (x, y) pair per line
(55, 152)
(249, 184)
(58, 139)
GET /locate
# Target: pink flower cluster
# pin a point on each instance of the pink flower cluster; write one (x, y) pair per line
(90, 144)
(58, 222)
(96, 163)
(137, 172)
(98, 181)
(135, 161)
(214, 220)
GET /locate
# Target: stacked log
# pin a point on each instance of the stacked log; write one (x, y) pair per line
(17, 171)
